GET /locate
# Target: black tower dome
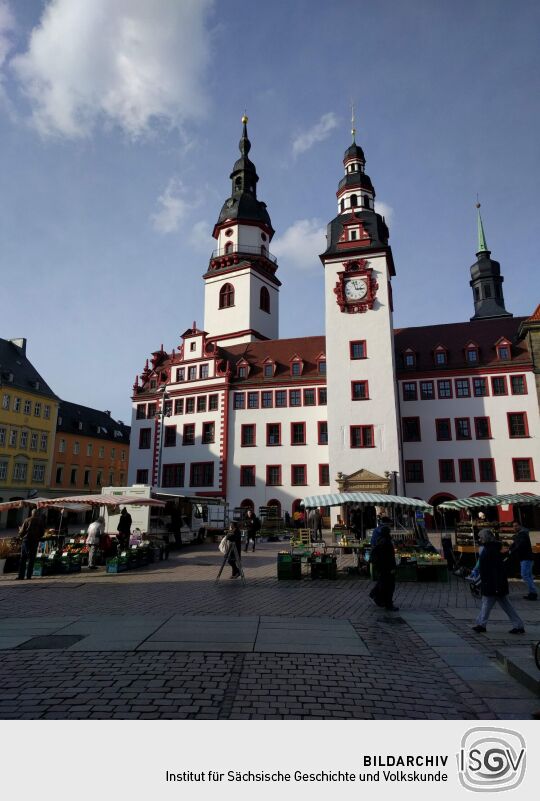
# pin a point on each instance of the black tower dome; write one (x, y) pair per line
(486, 281)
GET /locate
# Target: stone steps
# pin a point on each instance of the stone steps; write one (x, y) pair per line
(521, 666)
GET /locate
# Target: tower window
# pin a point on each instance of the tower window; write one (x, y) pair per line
(263, 250)
(342, 205)
(226, 296)
(238, 184)
(228, 247)
(265, 300)
(354, 201)
(476, 293)
(366, 201)
(487, 291)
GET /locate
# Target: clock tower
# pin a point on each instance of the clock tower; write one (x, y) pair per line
(363, 422)
(241, 288)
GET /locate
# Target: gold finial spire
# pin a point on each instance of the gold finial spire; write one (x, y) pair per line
(353, 128)
(244, 118)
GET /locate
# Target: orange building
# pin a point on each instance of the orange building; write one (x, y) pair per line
(91, 450)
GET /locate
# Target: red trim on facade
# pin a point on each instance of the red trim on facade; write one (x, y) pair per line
(250, 444)
(301, 423)
(273, 444)
(531, 467)
(499, 394)
(480, 478)
(525, 422)
(273, 467)
(366, 390)
(321, 423)
(456, 427)
(362, 342)
(476, 424)
(323, 483)
(403, 375)
(461, 463)
(304, 483)
(447, 480)
(524, 377)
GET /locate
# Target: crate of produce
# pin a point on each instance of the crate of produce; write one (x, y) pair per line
(117, 565)
(324, 567)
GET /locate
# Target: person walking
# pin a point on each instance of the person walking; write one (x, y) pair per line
(31, 531)
(521, 549)
(124, 528)
(234, 537)
(383, 558)
(494, 584)
(252, 527)
(95, 531)
(375, 534)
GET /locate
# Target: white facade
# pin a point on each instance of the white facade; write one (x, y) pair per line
(236, 412)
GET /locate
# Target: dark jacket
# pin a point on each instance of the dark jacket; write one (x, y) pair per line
(493, 578)
(383, 556)
(32, 530)
(124, 524)
(235, 536)
(521, 547)
(252, 526)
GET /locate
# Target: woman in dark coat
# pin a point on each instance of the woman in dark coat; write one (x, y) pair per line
(234, 537)
(494, 584)
(383, 559)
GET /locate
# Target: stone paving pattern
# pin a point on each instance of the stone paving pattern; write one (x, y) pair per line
(423, 662)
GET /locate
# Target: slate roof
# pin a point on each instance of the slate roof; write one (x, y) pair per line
(455, 337)
(76, 419)
(15, 364)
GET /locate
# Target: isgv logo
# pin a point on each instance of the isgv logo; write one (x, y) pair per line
(491, 760)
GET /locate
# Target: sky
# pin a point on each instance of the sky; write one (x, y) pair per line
(119, 126)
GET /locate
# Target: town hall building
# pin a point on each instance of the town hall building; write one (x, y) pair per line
(435, 412)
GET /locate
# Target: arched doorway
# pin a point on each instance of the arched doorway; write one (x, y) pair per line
(491, 512)
(438, 520)
(277, 505)
(247, 503)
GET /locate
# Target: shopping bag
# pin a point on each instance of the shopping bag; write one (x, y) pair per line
(223, 545)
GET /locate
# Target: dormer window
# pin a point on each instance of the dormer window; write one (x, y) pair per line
(409, 358)
(321, 366)
(353, 235)
(181, 374)
(153, 383)
(297, 365)
(441, 356)
(242, 369)
(471, 353)
(269, 368)
(503, 350)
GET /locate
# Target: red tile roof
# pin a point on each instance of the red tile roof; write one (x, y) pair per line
(455, 336)
(535, 316)
(281, 351)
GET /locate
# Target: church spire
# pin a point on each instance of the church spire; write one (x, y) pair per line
(486, 279)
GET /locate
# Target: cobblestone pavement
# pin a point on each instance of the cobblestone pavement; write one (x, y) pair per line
(423, 662)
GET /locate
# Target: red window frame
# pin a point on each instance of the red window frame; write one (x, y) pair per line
(476, 423)
(194, 465)
(505, 382)
(167, 437)
(362, 430)
(408, 463)
(147, 432)
(322, 481)
(440, 352)
(507, 346)
(267, 395)
(525, 422)
(189, 428)
(405, 420)
(461, 462)
(467, 383)
(141, 411)
(409, 355)
(179, 406)
(201, 403)
(243, 443)
(299, 483)
(486, 461)
(531, 468)
(320, 392)
(320, 424)
(365, 385)
(427, 397)
(226, 296)
(208, 425)
(283, 394)
(213, 402)
(277, 467)
(447, 480)
(409, 384)
(486, 385)
(437, 432)
(309, 389)
(303, 430)
(237, 396)
(361, 342)
(273, 444)
(190, 405)
(444, 381)
(243, 468)
(252, 396)
(456, 427)
(524, 378)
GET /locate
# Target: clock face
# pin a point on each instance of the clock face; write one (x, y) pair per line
(355, 288)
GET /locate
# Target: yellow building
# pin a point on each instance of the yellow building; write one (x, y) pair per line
(28, 414)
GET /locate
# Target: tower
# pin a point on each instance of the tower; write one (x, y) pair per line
(241, 298)
(363, 429)
(486, 281)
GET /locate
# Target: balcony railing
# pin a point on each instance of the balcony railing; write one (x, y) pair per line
(247, 250)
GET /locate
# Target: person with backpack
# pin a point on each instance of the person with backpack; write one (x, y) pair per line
(521, 549)
(253, 526)
(494, 584)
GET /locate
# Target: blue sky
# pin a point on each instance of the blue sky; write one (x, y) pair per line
(119, 124)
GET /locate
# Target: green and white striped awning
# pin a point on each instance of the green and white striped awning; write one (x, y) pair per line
(363, 499)
(491, 500)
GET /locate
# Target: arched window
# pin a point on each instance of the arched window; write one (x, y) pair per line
(247, 503)
(277, 506)
(354, 201)
(228, 247)
(265, 300)
(342, 205)
(366, 201)
(226, 296)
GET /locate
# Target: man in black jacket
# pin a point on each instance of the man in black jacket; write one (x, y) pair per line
(383, 559)
(31, 531)
(494, 584)
(234, 537)
(252, 527)
(521, 549)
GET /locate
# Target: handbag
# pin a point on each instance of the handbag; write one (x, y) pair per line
(224, 544)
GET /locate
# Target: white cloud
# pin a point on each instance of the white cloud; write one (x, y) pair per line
(174, 204)
(300, 245)
(385, 211)
(7, 26)
(128, 63)
(200, 237)
(318, 133)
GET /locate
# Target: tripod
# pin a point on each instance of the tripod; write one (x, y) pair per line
(232, 550)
